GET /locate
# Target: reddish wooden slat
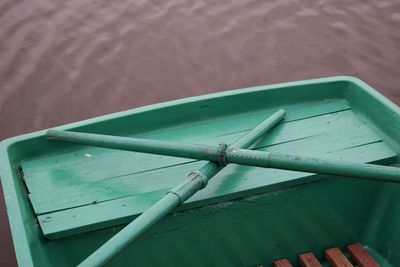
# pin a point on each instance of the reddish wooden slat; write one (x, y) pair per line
(336, 258)
(282, 263)
(308, 260)
(361, 256)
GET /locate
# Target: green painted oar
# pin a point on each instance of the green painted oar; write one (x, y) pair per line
(195, 181)
(232, 155)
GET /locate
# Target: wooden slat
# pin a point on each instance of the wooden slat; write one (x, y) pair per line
(111, 189)
(336, 258)
(309, 260)
(361, 256)
(317, 144)
(282, 263)
(230, 183)
(127, 183)
(92, 164)
(326, 146)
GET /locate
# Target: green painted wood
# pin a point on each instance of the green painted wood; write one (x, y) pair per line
(89, 164)
(327, 135)
(178, 195)
(123, 186)
(55, 174)
(232, 182)
(109, 189)
(313, 128)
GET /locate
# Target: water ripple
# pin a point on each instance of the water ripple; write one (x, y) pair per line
(61, 61)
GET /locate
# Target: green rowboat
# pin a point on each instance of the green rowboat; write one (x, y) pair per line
(295, 174)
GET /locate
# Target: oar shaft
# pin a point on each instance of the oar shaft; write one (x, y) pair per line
(241, 156)
(176, 196)
(248, 139)
(167, 148)
(147, 219)
(313, 165)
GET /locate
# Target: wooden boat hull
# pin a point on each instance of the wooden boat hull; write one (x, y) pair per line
(246, 217)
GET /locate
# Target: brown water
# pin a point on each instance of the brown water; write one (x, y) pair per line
(63, 61)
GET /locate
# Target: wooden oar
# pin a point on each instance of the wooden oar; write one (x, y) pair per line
(195, 181)
(234, 155)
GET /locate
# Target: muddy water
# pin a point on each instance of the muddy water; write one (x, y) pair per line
(63, 61)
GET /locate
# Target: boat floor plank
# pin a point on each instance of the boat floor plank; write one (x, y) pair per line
(104, 187)
(336, 258)
(309, 260)
(88, 164)
(325, 146)
(252, 181)
(282, 263)
(361, 256)
(207, 128)
(87, 168)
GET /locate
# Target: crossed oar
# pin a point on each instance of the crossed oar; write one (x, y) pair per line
(218, 158)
